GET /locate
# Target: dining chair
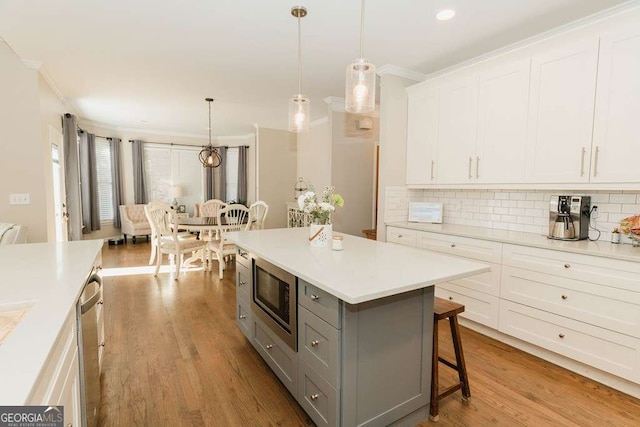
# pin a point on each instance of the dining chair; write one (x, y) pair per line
(257, 214)
(182, 235)
(233, 217)
(211, 208)
(163, 219)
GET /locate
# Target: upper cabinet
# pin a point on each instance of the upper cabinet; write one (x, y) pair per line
(616, 132)
(502, 123)
(422, 135)
(563, 86)
(559, 112)
(457, 123)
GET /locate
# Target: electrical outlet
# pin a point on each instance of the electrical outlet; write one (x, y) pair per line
(19, 199)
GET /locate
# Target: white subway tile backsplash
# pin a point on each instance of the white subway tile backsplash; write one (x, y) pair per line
(524, 210)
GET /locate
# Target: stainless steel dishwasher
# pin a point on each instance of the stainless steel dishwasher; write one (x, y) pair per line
(88, 345)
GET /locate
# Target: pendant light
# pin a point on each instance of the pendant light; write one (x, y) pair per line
(361, 80)
(209, 156)
(299, 105)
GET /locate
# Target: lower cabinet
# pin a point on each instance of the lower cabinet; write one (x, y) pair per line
(479, 307)
(282, 360)
(59, 381)
(317, 397)
(244, 318)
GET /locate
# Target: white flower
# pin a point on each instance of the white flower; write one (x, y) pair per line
(305, 198)
(326, 206)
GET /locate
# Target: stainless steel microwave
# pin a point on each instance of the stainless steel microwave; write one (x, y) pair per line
(275, 301)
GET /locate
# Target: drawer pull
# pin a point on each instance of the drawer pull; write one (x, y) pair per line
(242, 283)
(567, 265)
(314, 396)
(450, 298)
(453, 245)
(399, 236)
(269, 346)
(564, 297)
(315, 343)
(314, 297)
(561, 335)
(101, 302)
(243, 316)
(102, 344)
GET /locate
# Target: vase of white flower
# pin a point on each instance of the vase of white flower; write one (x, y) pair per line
(320, 232)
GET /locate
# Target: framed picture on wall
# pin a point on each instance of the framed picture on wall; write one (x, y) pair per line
(182, 208)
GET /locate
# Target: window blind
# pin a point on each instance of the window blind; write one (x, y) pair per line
(232, 174)
(157, 169)
(105, 183)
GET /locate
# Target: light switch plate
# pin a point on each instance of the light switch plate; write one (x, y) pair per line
(20, 199)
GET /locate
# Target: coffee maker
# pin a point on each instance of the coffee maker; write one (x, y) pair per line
(569, 217)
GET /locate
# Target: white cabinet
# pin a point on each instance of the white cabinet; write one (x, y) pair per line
(563, 83)
(616, 132)
(401, 236)
(457, 125)
(502, 123)
(422, 134)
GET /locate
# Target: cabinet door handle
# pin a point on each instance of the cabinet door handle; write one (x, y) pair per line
(595, 162)
(315, 343)
(314, 396)
(453, 245)
(101, 302)
(269, 346)
(242, 283)
(432, 165)
(561, 335)
(470, 163)
(450, 298)
(102, 344)
(477, 167)
(243, 316)
(316, 297)
(564, 297)
(584, 150)
(567, 266)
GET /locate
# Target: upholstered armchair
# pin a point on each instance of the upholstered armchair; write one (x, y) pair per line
(134, 222)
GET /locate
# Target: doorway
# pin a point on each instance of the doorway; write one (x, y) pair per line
(59, 206)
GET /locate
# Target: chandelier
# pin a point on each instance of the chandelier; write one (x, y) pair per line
(210, 156)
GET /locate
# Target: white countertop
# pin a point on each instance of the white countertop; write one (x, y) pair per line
(601, 248)
(365, 270)
(50, 277)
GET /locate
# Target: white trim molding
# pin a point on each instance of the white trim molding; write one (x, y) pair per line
(394, 70)
(337, 104)
(34, 65)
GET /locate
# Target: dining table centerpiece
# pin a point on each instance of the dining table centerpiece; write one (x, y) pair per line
(320, 210)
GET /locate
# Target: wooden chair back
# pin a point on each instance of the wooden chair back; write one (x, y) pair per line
(257, 214)
(161, 217)
(235, 217)
(211, 207)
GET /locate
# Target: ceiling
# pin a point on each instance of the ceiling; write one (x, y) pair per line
(149, 65)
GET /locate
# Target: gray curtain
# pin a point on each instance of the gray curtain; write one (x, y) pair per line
(116, 178)
(222, 171)
(89, 183)
(242, 174)
(72, 177)
(139, 186)
(209, 183)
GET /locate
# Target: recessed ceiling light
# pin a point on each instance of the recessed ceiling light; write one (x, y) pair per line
(446, 14)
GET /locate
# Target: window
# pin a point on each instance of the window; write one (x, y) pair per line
(165, 166)
(105, 181)
(232, 174)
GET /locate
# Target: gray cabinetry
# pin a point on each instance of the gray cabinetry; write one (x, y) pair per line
(244, 317)
(282, 360)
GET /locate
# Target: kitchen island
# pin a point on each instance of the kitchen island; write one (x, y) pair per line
(43, 281)
(364, 324)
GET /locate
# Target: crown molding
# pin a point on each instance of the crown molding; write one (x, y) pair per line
(540, 37)
(86, 122)
(34, 65)
(394, 70)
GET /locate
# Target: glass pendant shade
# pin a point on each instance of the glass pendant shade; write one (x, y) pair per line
(299, 112)
(360, 87)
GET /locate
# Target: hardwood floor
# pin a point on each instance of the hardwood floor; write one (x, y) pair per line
(175, 357)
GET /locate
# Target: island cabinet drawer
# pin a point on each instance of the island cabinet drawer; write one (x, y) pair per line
(243, 281)
(402, 236)
(244, 317)
(319, 302)
(609, 351)
(319, 345)
(603, 271)
(281, 359)
(610, 308)
(317, 397)
(243, 258)
(478, 306)
(481, 250)
(488, 283)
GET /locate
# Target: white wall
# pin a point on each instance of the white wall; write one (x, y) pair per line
(393, 139)
(277, 170)
(22, 158)
(314, 154)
